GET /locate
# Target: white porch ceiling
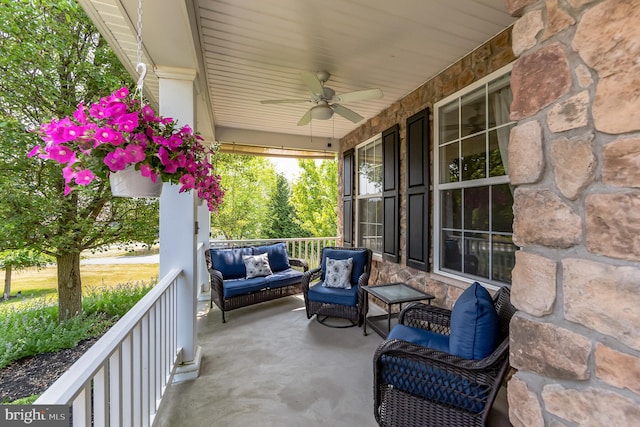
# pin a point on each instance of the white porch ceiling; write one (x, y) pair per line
(246, 51)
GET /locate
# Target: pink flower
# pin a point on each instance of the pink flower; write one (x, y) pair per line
(191, 166)
(35, 150)
(116, 161)
(163, 155)
(80, 114)
(67, 189)
(146, 170)
(115, 110)
(106, 134)
(60, 153)
(135, 153)
(121, 93)
(188, 182)
(127, 122)
(68, 174)
(174, 142)
(148, 114)
(84, 177)
(97, 111)
(70, 133)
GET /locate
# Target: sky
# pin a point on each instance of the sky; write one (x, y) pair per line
(287, 166)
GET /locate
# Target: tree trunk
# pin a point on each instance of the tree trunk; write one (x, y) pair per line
(69, 285)
(7, 281)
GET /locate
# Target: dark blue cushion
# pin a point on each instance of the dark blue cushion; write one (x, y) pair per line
(474, 324)
(284, 278)
(277, 253)
(359, 261)
(339, 296)
(229, 262)
(233, 287)
(420, 337)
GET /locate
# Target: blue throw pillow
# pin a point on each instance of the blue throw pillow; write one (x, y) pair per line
(474, 324)
(359, 261)
(229, 262)
(277, 253)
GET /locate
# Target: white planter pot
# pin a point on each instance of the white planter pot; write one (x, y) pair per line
(130, 183)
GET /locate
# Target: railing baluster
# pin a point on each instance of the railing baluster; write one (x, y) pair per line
(100, 393)
(144, 369)
(115, 388)
(127, 382)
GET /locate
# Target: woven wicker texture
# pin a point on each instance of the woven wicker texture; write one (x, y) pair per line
(419, 386)
(353, 313)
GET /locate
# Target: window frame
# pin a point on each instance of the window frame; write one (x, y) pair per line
(357, 197)
(438, 187)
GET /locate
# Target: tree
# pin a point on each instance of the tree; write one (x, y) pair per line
(248, 181)
(18, 260)
(315, 197)
(282, 221)
(51, 59)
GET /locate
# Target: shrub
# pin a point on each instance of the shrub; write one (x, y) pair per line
(33, 327)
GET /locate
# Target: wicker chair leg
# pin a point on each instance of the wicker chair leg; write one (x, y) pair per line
(324, 318)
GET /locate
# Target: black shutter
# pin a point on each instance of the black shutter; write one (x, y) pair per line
(347, 198)
(391, 194)
(418, 190)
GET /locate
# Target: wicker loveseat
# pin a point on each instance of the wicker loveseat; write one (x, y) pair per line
(420, 381)
(232, 287)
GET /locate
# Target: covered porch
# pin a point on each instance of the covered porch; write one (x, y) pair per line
(271, 366)
(571, 184)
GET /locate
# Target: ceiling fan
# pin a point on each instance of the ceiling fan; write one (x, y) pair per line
(326, 100)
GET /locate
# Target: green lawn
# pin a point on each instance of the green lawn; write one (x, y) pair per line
(35, 282)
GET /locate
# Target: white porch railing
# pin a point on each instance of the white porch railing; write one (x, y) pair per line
(121, 379)
(307, 248)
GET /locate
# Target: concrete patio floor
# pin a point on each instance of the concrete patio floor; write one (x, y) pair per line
(271, 366)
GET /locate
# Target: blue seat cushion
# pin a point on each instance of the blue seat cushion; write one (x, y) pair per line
(429, 382)
(229, 261)
(359, 261)
(339, 296)
(284, 278)
(234, 287)
(277, 253)
(474, 324)
(420, 337)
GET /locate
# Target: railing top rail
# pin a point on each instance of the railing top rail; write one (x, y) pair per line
(67, 387)
(293, 239)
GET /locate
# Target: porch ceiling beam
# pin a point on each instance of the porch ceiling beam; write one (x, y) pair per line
(275, 140)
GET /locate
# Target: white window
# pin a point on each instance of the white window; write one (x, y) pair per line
(473, 200)
(369, 194)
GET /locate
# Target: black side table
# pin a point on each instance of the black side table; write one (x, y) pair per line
(393, 293)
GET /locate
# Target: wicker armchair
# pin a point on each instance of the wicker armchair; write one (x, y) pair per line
(420, 386)
(325, 302)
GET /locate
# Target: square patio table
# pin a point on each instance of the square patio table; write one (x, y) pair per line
(390, 294)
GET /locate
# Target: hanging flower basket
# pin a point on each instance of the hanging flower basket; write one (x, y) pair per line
(130, 183)
(117, 134)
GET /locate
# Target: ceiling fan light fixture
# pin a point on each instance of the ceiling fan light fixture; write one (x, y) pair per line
(321, 112)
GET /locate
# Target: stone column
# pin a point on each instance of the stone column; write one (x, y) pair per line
(178, 215)
(576, 339)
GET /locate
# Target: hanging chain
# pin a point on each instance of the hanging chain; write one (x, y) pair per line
(141, 67)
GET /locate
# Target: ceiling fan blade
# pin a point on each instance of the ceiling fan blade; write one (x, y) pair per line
(305, 119)
(283, 101)
(359, 95)
(346, 113)
(312, 82)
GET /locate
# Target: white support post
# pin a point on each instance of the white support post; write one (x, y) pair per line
(178, 216)
(204, 230)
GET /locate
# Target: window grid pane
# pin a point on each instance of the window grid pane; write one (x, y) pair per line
(369, 200)
(476, 222)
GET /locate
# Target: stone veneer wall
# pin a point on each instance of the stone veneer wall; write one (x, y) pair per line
(575, 158)
(488, 58)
